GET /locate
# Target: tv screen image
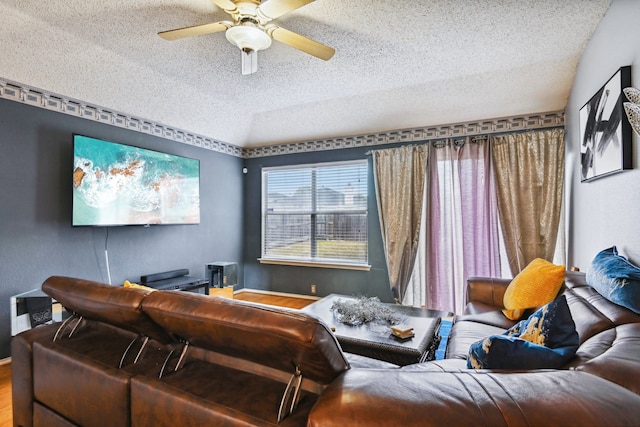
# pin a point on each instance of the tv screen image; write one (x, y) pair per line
(116, 184)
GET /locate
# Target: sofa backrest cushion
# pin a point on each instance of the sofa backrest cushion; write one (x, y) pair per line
(274, 337)
(114, 305)
(591, 312)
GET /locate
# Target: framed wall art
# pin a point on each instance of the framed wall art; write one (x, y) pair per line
(605, 132)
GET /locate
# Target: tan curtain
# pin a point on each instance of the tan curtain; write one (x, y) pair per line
(529, 170)
(399, 176)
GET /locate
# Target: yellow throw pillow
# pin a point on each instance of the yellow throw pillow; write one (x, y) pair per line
(536, 285)
(128, 284)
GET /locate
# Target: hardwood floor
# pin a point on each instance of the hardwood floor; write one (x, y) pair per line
(270, 299)
(6, 415)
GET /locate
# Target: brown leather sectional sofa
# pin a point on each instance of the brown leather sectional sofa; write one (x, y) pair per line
(134, 358)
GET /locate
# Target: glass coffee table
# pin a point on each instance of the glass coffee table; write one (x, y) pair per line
(374, 339)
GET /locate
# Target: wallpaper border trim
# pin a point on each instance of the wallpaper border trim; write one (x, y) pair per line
(420, 134)
(39, 98)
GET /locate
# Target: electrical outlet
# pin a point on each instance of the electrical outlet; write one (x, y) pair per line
(313, 289)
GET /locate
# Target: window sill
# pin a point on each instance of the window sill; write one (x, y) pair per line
(345, 266)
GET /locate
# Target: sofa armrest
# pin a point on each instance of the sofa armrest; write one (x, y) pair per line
(487, 290)
(22, 371)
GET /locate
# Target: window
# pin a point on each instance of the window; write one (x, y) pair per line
(315, 214)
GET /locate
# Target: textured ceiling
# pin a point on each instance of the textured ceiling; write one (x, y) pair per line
(398, 64)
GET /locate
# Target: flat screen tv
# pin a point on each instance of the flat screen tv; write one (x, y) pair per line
(116, 184)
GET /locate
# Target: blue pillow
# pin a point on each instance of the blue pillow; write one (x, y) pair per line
(615, 278)
(547, 339)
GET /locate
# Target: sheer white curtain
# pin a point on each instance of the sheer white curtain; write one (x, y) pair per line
(460, 233)
(477, 190)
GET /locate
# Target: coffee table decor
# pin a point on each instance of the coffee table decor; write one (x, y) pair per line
(364, 326)
(402, 331)
(362, 310)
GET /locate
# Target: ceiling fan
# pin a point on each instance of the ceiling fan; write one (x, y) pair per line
(251, 29)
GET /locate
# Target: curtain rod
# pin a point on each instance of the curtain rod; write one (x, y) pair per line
(442, 141)
(473, 138)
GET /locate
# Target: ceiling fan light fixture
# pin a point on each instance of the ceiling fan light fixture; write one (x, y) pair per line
(248, 38)
(252, 31)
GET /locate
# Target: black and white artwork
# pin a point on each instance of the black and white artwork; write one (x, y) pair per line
(605, 133)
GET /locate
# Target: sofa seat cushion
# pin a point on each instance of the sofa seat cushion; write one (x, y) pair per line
(464, 333)
(615, 278)
(613, 354)
(203, 393)
(547, 339)
(473, 398)
(483, 313)
(99, 341)
(359, 361)
(443, 365)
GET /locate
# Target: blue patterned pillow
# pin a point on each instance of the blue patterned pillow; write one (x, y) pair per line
(615, 278)
(547, 339)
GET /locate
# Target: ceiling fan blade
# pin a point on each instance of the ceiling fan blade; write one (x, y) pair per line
(273, 9)
(226, 5)
(195, 30)
(300, 42)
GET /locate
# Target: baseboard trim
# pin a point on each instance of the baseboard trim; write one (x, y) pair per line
(280, 294)
(5, 361)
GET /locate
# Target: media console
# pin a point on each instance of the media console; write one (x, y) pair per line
(176, 280)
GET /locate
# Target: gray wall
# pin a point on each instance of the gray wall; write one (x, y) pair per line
(36, 237)
(299, 279)
(606, 211)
